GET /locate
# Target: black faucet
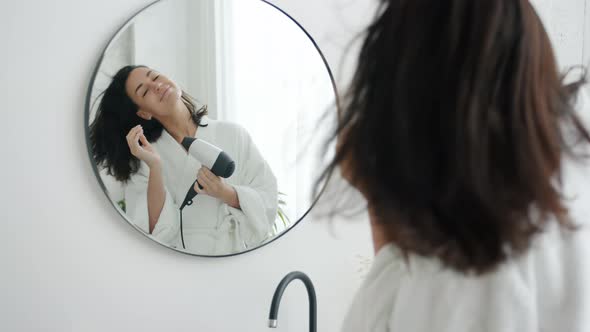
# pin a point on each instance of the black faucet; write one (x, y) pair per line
(276, 299)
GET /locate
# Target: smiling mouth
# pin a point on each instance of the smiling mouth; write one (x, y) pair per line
(164, 93)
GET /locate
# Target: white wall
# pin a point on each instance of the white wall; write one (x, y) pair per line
(70, 263)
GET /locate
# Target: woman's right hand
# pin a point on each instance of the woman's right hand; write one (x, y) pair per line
(143, 151)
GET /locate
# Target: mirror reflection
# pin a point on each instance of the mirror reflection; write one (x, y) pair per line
(197, 112)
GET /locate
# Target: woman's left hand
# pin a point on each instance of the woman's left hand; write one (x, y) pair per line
(214, 186)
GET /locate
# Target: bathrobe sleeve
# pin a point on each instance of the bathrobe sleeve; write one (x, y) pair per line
(256, 187)
(168, 225)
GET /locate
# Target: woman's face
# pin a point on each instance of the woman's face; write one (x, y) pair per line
(154, 93)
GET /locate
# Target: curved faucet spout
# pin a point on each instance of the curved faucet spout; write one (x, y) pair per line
(276, 299)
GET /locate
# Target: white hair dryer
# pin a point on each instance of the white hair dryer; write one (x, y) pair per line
(210, 156)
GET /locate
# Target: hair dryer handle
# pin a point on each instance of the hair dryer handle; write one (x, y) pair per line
(190, 195)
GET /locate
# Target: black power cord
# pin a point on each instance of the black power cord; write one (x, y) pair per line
(188, 201)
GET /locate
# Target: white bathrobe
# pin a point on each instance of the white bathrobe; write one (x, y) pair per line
(547, 290)
(210, 227)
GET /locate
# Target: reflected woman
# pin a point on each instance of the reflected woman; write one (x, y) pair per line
(141, 120)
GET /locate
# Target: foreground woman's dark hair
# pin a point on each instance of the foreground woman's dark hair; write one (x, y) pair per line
(454, 129)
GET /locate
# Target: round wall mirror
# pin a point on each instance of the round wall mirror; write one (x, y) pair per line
(202, 123)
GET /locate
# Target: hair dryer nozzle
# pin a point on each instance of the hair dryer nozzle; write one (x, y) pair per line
(224, 166)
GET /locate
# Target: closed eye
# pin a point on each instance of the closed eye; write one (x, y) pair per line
(146, 90)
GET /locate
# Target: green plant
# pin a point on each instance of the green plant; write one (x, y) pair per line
(281, 213)
(122, 205)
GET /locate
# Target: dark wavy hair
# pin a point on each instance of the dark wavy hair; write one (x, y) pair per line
(116, 115)
(454, 128)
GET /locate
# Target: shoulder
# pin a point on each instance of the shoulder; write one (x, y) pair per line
(402, 293)
(225, 128)
(520, 295)
(517, 296)
(227, 125)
